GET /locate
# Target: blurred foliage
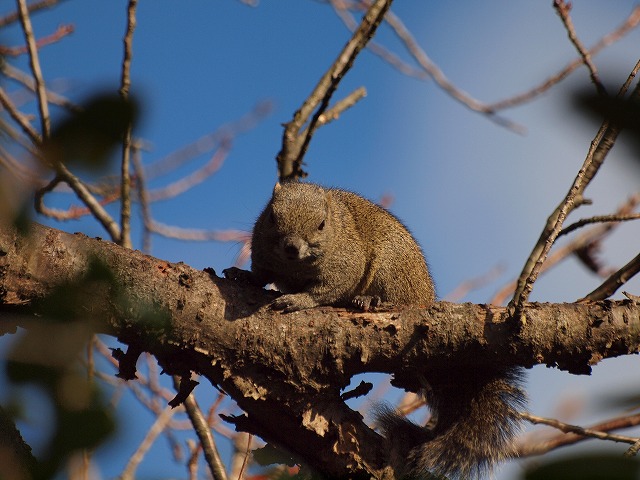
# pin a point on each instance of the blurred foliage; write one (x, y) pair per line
(588, 467)
(87, 136)
(47, 356)
(624, 112)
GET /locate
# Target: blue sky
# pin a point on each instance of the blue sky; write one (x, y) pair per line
(474, 194)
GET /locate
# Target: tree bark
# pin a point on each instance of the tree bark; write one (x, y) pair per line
(286, 371)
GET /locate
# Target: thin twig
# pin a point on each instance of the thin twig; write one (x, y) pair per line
(343, 10)
(210, 141)
(294, 145)
(125, 169)
(441, 79)
(347, 102)
(600, 147)
(246, 457)
(633, 449)
(563, 9)
(629, 24)
(474, 283)
(428, 69)
(197, 234)
(201, 427)
(129, 472)
(614, 282)
(14, 17)
(61, 32)
(143, 197)
(574, 434)
(192, 462)
(34, 62)
(185, 183)
(598, 219)
(27, 80)
(83, 193)
(19, 118)
(580, 242)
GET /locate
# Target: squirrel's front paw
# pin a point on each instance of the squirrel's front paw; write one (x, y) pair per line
(292, 302)
(237, 274)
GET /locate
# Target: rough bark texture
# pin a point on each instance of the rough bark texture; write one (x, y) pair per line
(286, 370)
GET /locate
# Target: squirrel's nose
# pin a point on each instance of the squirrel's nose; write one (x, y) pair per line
(291, 250)
(292, 247)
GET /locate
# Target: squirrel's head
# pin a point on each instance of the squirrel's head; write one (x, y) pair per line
(299, 217)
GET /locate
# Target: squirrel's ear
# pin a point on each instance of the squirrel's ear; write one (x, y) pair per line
(277, 187)
(327, 198)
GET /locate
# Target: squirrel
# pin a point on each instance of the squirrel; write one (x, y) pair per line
(326, 246)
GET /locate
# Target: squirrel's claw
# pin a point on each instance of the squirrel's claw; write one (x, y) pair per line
(292, 302)
(365, 302)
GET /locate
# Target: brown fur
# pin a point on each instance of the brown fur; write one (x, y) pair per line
(332, 247)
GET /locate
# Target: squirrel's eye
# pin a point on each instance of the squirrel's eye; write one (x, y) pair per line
(321, 226)
(272, 217)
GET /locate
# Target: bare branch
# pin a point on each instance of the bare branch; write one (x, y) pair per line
(563, 9)
(14, 17)
(598, 219)
(584, 432)
(615, 281)
(129, 472)
(295, 143)
(182, 185)
(209, 142)
(19, 118)
(629, 24)
(201, 427)
(27, 80)
(233, 334)
(143, 198)
(581, 242)
(197, 234)
(61, 32)
(575, 434)
(83, 193)
(443, 82)
(349, 101)
(34, 62)
(428, 68)
(343, 8)
(600, 147)
(125, 169)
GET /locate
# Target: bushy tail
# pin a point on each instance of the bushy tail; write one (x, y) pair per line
(477, 421)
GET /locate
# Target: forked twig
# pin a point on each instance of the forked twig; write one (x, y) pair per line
(295, 141)
(600, 147)
(577, 244)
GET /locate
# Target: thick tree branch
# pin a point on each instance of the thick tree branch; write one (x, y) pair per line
(286, 371)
